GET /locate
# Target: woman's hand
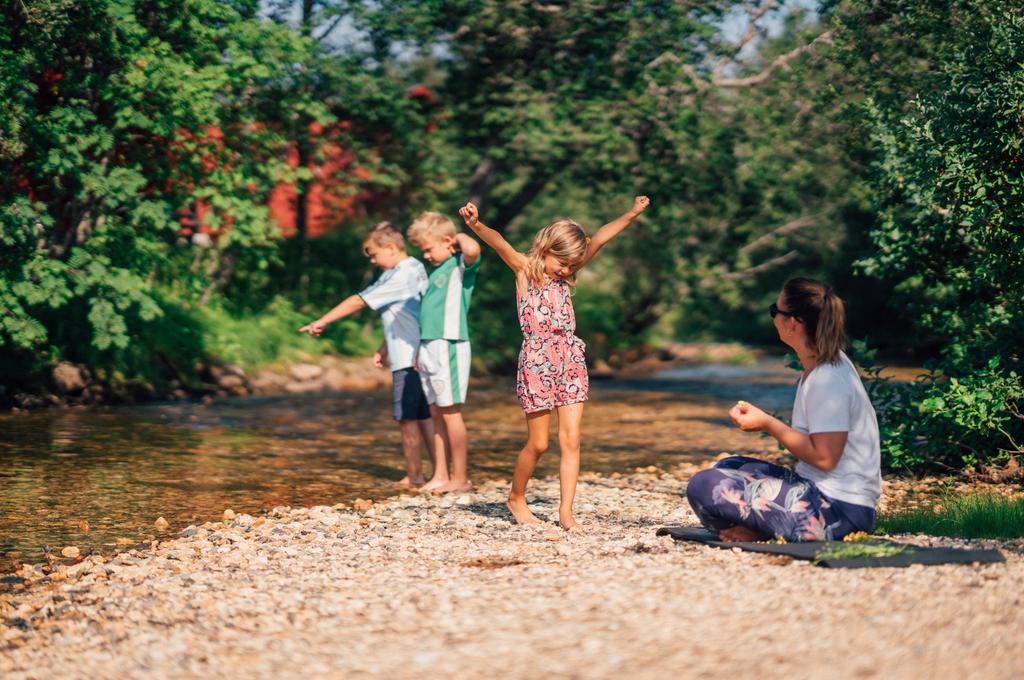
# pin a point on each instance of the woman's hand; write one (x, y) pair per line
(748, 417)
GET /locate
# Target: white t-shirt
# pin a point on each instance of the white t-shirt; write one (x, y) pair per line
(396, 295)
(832, 399)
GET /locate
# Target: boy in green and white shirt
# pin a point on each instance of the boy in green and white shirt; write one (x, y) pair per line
(444, 353)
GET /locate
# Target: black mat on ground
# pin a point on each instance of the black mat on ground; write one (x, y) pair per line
(830, 553)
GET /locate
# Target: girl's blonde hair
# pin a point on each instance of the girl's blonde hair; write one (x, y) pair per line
(563, 239)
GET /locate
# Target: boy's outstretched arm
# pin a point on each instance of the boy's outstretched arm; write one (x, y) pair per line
(512, 257)
(469, 247)
(615, 227)
(350, 305)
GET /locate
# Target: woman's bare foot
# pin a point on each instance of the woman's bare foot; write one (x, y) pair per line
(569, 523)
(434, 485)
(739, 534)
(456, 487)
(521, 511)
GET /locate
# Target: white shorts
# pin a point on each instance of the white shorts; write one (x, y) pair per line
(444, 370)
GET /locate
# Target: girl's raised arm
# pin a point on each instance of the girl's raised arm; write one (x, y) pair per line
(512, 257)
(615, 227)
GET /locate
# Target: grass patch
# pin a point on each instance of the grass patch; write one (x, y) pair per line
(976, 516)
(272, 335)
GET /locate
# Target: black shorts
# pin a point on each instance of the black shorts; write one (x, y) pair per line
(407, 399)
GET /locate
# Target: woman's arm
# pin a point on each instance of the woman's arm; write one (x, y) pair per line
(615, 227)
(821, 449)
(512, 257)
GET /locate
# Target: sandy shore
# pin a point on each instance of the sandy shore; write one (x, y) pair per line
(447, 587)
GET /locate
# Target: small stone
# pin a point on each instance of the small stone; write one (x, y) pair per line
(70, 551)
(161, 524)
(304, 372)
(229, 515)
(68, 378)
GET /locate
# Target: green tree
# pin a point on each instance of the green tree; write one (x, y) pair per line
(944, 81)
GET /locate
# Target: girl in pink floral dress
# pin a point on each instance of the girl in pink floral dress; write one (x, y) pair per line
(552, 363)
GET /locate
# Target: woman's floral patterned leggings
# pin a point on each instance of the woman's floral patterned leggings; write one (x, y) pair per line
(773, 501)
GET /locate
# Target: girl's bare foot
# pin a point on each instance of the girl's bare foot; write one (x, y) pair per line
(433, 486)
(569, 523)
(739, 534)
(521, 511)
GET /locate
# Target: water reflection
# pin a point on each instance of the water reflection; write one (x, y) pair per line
(91, 477)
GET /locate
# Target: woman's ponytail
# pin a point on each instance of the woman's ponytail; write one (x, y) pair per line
(822, 313)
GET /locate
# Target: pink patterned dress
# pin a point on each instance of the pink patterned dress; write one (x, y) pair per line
(552, 362)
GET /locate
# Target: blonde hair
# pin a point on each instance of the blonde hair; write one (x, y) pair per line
(430, 226)
(823, 314)
(563, 239)
(383, 234)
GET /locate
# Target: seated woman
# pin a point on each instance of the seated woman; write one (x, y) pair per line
(835, 486)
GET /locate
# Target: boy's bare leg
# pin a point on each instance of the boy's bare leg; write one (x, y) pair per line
(427, 434)
(440, 477)
(569, 420)
(538, 425)
(411, 444)
(458, 441)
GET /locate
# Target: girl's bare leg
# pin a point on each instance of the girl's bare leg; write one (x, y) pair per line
(569, 420)
(440, 476)
(538, 425)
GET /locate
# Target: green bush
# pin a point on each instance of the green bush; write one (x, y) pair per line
(943, 422)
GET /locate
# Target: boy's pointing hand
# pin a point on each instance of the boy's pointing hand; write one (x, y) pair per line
(314, 329)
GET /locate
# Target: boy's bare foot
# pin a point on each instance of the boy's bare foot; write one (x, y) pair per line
(739, 534)
(456, 487)
(406, 483)
(434, 486)
(521, 511)
(569, 524)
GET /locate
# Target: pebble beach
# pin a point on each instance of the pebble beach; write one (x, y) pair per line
(424, 586)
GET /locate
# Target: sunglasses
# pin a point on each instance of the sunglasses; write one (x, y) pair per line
(774, 310)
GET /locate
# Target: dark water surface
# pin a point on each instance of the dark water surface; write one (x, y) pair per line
(88, 477)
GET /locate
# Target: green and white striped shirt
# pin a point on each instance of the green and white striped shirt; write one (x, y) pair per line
(445, 305)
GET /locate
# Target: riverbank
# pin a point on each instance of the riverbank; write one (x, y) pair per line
(448, 587)
(71, 384)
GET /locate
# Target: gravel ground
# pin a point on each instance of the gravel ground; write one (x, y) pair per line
(447, 587)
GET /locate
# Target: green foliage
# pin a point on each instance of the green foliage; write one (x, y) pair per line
(271, 336)
(949, 192)
(119, 112)
(974, 516)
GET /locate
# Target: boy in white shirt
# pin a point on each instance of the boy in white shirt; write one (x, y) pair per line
(396, 295)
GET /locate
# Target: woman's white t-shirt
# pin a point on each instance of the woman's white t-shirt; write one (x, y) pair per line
(833, 399)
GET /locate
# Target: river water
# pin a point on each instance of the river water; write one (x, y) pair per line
(92, 477)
